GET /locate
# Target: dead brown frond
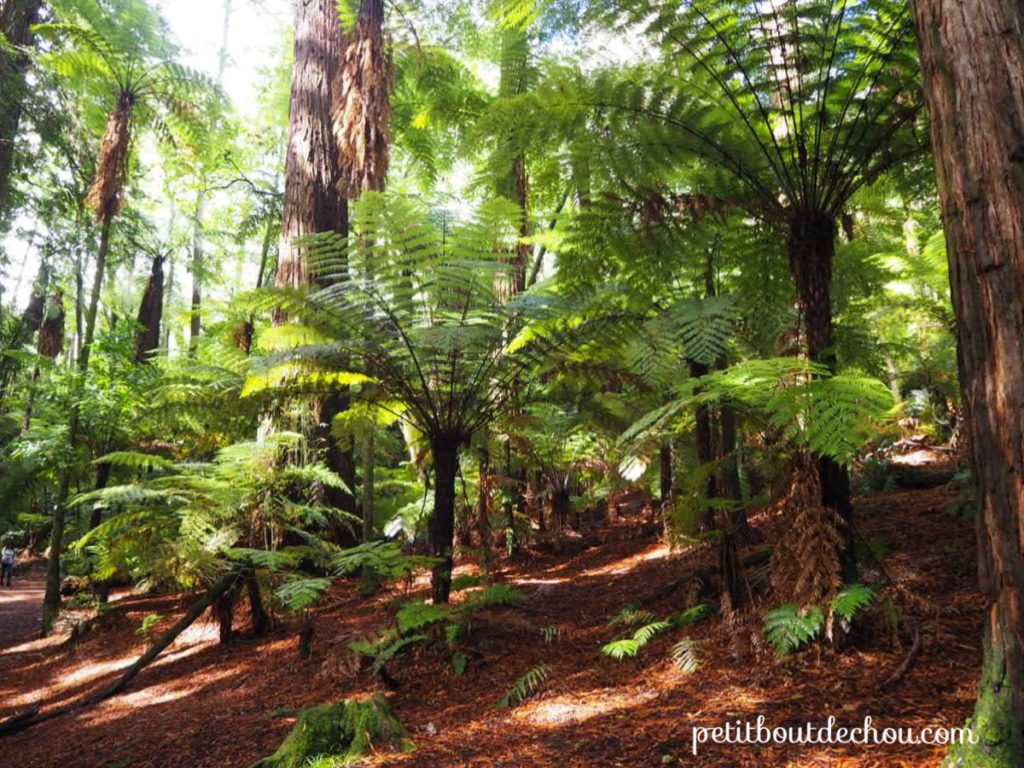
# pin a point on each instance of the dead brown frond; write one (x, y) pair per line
(51, 331)
(805, 563)
(105, 194)
(362, 109)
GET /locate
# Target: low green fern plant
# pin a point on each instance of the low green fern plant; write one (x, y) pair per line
(525, 686)
(650, 628)
(789, 627)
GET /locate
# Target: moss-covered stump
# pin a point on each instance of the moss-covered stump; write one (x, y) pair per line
(338, 734)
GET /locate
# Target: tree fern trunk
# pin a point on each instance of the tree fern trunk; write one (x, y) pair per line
(665, 471)
(441, 528)
(812, 244)
(151, 310)
(94, 297)
(51, 597)
(972, 56)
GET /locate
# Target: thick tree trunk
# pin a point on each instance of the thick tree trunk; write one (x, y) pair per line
(441, 528)
(16, 20)
(561, 505)
(313, 172)
(362, 111)
(812, 245)
(151, 310)
(313, 201)
(972, 56)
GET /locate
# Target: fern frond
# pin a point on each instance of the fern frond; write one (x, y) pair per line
(525, 686)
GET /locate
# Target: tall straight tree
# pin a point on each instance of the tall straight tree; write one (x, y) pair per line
(313, 172)
(199, 223)
(314, 175)
(16, 20)
(972, 56)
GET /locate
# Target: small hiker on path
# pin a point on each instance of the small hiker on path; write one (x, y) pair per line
(7, 561)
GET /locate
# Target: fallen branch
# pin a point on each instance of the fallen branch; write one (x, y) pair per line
(32, 716)
(901, 670)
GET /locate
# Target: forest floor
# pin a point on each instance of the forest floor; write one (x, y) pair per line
(206, 706)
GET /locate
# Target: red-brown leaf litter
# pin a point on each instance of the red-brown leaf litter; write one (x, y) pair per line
(202, 705)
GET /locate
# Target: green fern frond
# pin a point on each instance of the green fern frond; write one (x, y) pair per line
(301, 593)
(788, 628)
(852, 599)
(413, 616)
(525, 686)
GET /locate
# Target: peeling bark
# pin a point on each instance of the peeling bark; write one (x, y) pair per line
(972, 57)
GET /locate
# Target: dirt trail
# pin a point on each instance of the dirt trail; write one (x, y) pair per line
(21, 609)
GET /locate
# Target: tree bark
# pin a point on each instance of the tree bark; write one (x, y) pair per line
(313, 201)
(362, 110)
(972, 57)
(811, 246)
(665, 471)
(561, 505)
(313, 173)
(16, 20)
(441, 528)
(94, 298)
(51, 596)
(151, 310)
(257, 611)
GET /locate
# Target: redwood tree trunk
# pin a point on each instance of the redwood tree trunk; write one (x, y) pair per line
(441, 529)
(313, 172)
(812, 246)
(313, 201)
(16, 20)
(972, 56)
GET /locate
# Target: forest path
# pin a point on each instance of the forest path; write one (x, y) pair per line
(21, 609)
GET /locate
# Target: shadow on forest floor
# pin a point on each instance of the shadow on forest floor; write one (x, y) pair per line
(209, 706)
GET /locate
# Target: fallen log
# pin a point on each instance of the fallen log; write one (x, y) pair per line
(33, 716)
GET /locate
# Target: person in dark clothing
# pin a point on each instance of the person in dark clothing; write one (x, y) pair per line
(7, 561)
